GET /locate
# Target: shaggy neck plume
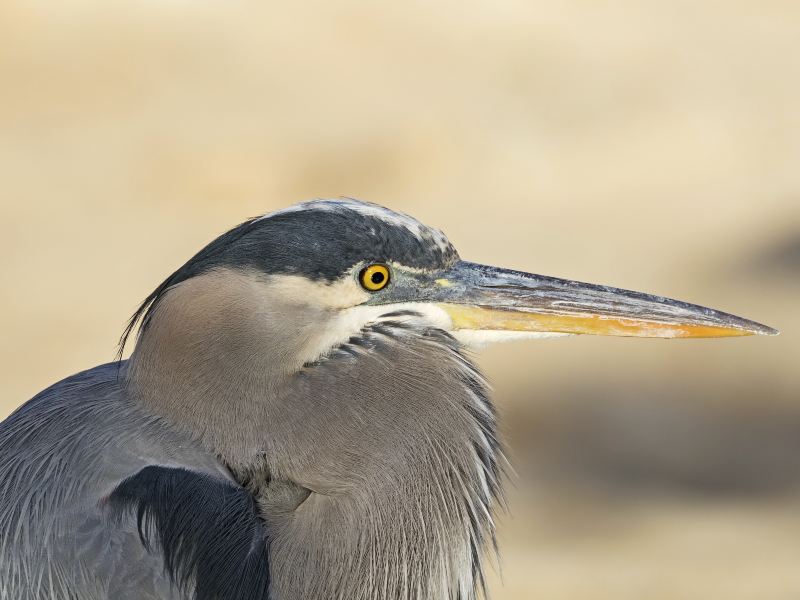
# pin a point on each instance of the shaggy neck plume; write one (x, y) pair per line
(376, 467)
(402, 488)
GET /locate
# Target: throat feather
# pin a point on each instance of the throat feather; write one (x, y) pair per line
(406, 472)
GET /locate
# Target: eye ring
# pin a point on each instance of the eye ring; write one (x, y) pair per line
(374, 277)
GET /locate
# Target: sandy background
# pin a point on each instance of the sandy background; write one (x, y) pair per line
(648, 145)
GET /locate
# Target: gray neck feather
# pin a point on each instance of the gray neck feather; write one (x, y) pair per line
(377, 467)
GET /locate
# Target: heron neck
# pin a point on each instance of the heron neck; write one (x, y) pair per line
(214, 355)
(398, 448)
(390, 441)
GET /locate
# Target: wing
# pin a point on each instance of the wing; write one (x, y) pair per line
(101, 501)
(206, 531)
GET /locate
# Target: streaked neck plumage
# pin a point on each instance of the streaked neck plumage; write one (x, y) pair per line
(386, 444)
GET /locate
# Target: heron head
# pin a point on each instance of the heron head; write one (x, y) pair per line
(325, 269)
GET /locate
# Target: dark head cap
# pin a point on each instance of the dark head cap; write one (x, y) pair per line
(320, 240)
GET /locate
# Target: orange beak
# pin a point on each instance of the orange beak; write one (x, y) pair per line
(477, 297)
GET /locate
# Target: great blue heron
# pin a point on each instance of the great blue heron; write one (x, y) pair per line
(297, 420)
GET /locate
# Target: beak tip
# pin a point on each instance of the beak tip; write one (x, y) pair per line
(753, 328)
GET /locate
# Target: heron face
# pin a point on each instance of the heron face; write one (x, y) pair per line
(330, 268)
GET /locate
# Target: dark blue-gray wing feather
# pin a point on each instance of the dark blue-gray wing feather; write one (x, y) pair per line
(206, 530)
(80, 464)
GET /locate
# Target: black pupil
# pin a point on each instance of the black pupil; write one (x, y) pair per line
(377, 278)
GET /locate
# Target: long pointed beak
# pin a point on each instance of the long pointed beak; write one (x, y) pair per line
(478, 297)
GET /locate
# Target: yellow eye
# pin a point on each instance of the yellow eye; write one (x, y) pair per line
(374, 277)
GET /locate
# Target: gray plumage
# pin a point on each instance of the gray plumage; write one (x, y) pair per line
(219, 399)
(286, 430)
(60, 454)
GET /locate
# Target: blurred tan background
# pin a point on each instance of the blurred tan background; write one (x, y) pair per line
(647, 145)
